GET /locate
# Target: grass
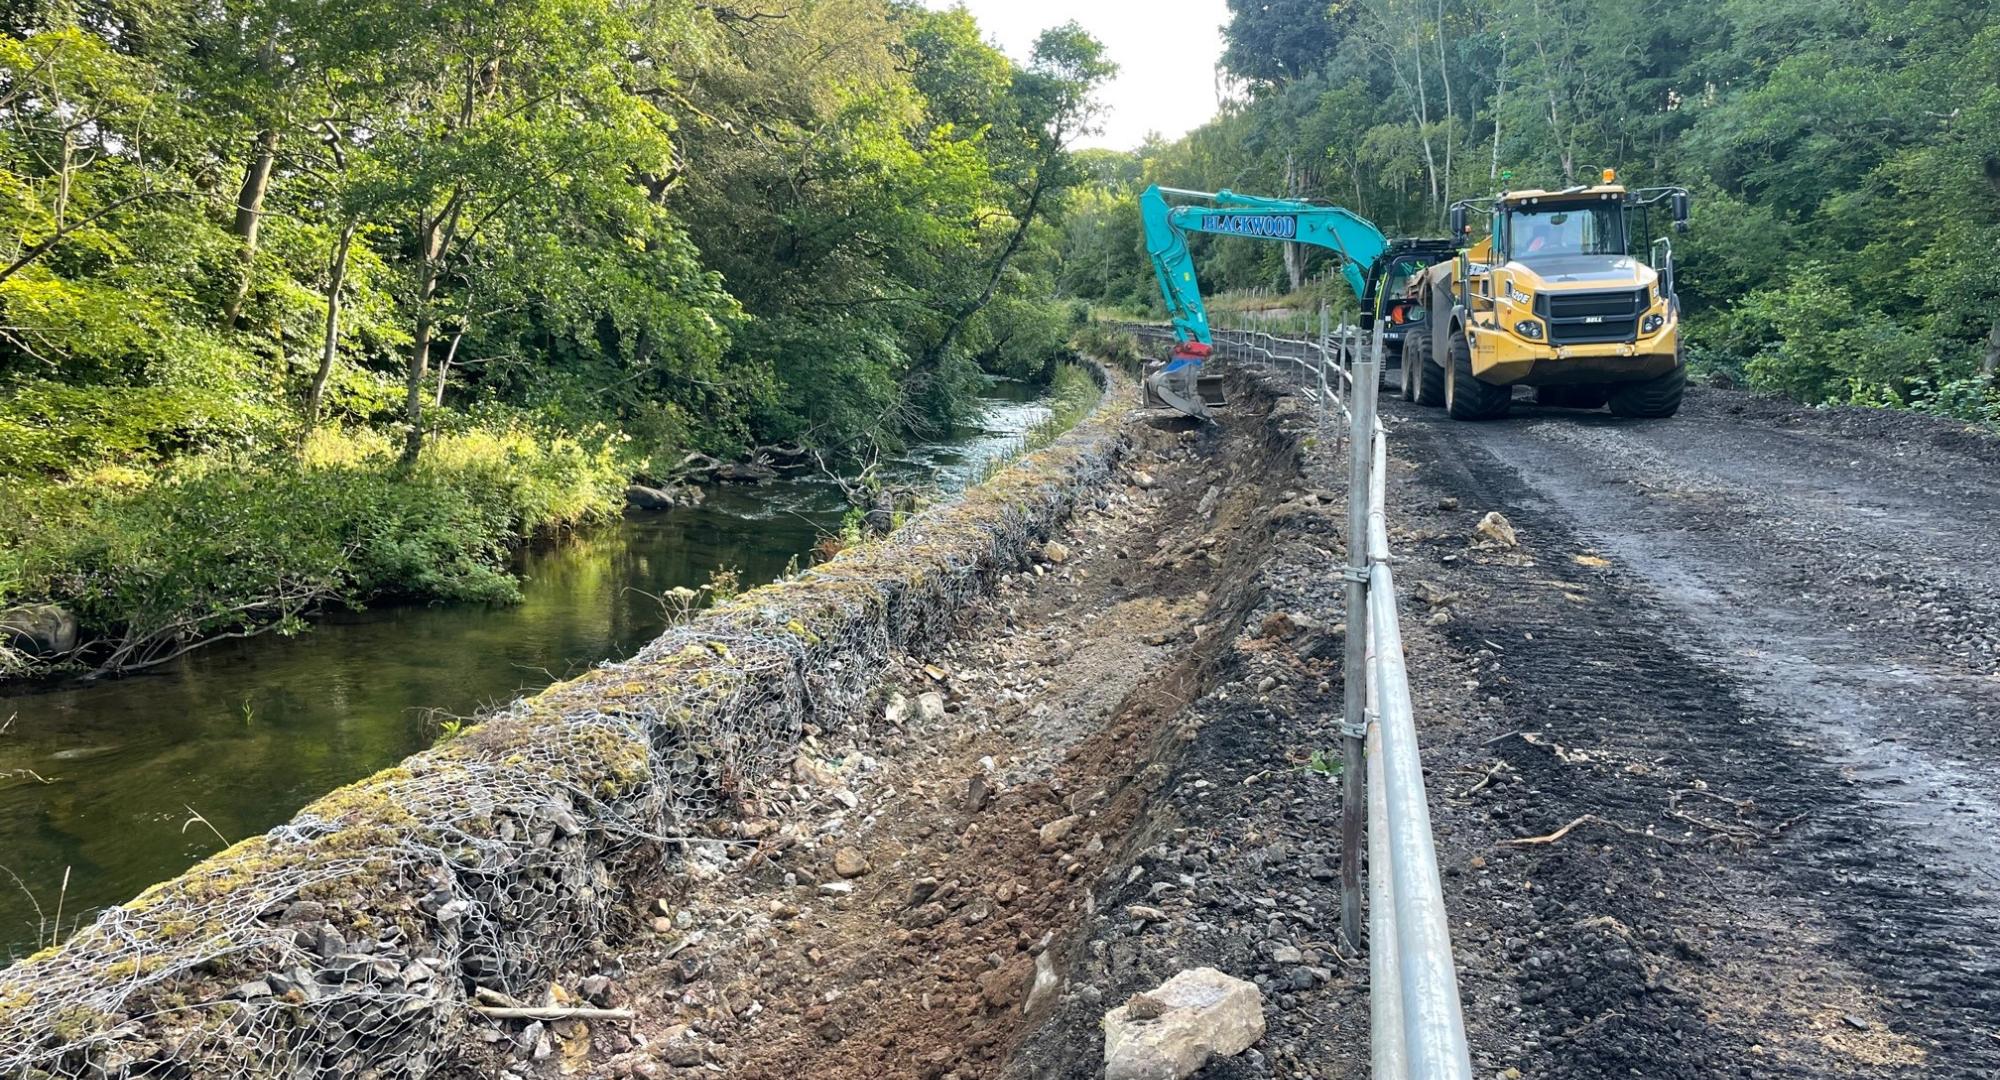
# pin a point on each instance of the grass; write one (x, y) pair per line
(218, 546)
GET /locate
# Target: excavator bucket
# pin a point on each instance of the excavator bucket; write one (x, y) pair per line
(1182, 384)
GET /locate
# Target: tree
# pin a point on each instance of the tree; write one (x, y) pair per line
(1054, 101)
(1271, 42)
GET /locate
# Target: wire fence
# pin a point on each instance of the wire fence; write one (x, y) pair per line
(1417, 1026)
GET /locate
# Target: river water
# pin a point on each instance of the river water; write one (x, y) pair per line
(126, 782)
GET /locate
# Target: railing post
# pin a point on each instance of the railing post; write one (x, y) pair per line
(1319, 370)
(1354, 727)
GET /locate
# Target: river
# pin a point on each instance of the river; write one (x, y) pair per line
(118, 784)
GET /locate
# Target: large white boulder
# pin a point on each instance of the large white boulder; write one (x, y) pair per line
(1171, 1032)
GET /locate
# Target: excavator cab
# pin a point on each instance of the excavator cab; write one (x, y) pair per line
(1389, 296)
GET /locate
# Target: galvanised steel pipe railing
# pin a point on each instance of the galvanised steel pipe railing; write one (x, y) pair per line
(1417, 1024)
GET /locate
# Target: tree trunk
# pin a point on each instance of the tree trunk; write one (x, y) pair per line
(1450, 111)
(64, 177)
(330, 347)
(420, 364)
(444, 368)
(1499, 94)
(438, 235)
(413, 441)
(1295, 263)
(935, 354)
(249, 213)
(1424, 120)
(1989, 365)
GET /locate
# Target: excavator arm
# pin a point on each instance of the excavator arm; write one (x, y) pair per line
(1224, 213)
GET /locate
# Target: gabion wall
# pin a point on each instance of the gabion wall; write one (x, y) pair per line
(347, 943)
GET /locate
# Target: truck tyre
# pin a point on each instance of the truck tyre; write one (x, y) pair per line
(1654, 399)
(1411, 368)
(1425, 379)
(1465, 397)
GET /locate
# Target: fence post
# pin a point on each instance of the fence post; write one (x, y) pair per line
(1354, 726)
(1319, 369)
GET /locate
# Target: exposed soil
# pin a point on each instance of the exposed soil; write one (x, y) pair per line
(1710, 756)
(973, 841)
(1756, 646)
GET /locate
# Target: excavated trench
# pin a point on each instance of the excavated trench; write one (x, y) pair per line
(915, 897)
(1657, 859)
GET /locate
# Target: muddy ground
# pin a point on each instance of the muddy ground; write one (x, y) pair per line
(1754, 648)
(1710, 756)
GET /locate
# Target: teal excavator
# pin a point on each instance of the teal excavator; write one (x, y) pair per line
(1375, 267)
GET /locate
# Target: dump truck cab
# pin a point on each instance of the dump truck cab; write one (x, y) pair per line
(1550, 295)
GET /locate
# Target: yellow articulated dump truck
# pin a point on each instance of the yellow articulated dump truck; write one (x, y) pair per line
(1550, 296)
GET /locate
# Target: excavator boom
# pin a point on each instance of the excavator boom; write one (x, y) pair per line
(1178, 382)
(1225, 213)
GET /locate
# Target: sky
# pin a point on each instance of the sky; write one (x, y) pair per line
(1165, 51)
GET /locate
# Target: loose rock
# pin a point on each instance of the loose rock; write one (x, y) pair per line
(1052, 834)
(1495, 527)
(1202, 1014)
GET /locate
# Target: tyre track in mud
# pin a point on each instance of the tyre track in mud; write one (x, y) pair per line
(1685, 664)
(1780, 752)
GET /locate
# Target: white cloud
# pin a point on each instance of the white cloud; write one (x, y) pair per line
(1165, 52)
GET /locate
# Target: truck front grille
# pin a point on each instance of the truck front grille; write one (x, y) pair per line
(1590, 318)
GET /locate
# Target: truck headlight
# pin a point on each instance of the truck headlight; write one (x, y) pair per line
(1529, 328)
(1652, 323)
(1518, 296)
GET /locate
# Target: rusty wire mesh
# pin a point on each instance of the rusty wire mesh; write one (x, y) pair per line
(347, 942)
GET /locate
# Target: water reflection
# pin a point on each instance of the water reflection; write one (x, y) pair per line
(103, 780)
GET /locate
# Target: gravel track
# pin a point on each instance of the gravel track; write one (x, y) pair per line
(1710, 755)
(1754, 648)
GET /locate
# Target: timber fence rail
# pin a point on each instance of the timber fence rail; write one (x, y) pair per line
(1417, 1025)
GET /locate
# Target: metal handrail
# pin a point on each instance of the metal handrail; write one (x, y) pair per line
(1417, 1023)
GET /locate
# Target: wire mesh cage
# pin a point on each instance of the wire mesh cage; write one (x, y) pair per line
(350, 941)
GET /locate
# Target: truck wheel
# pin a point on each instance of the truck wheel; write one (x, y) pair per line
(1430, 378)
(1412, 367)
(1465, 397)
(1654, 399)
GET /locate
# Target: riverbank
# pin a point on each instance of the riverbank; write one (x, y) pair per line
(149, 565)
(121, 570)
(494, 858)
(247, 731)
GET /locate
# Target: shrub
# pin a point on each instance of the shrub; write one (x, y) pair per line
(223, 546)
(1108, 343)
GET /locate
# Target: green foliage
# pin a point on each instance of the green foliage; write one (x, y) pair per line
(1271, 42)
(1818, 343)
(227, 546)
(1072, 394)
(452, 728)
(1109, 344)
(1024, 338)
(491, 231)
(1845, 158)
